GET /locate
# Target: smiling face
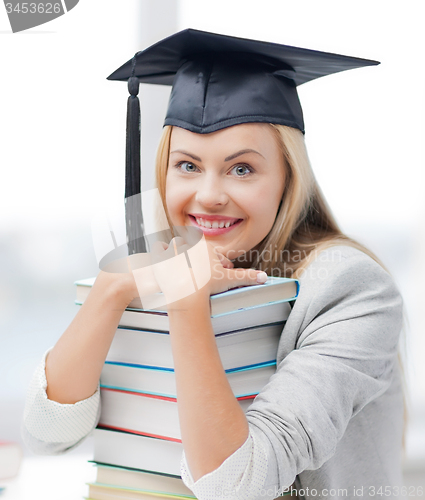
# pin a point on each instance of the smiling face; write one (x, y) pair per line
(228, 183)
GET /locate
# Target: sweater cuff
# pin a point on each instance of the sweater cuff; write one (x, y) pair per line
(240, 477)
(52, 422)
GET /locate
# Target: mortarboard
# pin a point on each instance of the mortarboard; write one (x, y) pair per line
(219, 81)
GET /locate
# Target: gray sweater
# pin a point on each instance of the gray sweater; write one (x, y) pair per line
(331, 417)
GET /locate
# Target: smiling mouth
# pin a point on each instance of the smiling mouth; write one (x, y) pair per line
(214, 227)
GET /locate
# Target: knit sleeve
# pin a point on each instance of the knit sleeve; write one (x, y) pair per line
(51, 428)
(244, 471)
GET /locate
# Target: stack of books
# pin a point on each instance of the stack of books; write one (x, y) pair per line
(137, 443)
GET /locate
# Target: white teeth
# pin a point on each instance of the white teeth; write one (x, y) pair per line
(214, 224)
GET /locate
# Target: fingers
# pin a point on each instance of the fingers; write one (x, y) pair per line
(245, 277)
(177, 245)
(208, 267)
(162, 251)
(224, 261)
(159, 246)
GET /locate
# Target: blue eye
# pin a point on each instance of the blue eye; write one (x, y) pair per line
(242, 170)
(187, 166)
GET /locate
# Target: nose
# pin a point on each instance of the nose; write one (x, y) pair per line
(211, 192)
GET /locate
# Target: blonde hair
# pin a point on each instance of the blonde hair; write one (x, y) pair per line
(304, 224)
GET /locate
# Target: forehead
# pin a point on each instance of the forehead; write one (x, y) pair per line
(248, 135)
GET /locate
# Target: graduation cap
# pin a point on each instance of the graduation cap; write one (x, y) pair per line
(219, 81)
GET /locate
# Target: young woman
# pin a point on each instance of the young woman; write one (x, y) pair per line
(331, 417)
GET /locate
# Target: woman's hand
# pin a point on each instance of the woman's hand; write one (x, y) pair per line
(138, 282)
(209, 273)
(167, 269)
(121, 287)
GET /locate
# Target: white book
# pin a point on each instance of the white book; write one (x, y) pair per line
(106, 492)
(273, 290)
(243, 318)
(144, 414)
(137, 452)
(237, 349)
(120, 477)
(162, 382)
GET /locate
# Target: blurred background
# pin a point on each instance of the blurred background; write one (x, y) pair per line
(62, 133)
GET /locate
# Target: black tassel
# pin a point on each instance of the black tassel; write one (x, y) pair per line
(132, 161)
(133, 201)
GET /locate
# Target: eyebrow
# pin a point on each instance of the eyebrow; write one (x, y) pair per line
(242, 152)
(228, 158)
(187, 154)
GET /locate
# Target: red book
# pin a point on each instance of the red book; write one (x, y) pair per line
(145, 414)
